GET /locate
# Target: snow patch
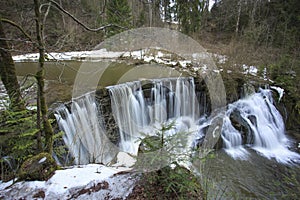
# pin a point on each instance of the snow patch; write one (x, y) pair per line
(221, 59)
(211, 4)
(42, 160)
(69, 182)
(279, 90)
(250, 69)
(124, 160)
(75, 55)
(96, 55)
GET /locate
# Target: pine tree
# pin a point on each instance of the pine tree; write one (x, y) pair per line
(118, 13)
(189, 15)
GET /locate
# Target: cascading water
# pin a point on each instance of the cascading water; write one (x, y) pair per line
(264, 127)
(136, 112)
(84, 131)
(139, 108)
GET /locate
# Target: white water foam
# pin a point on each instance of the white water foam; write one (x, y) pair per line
(266, 127)
(84, 131)
(140, 112)
(135, 113)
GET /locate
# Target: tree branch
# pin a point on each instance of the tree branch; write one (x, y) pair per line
(45, 17)
(17, 26)
(82, 24)
(103, 9)
(16, 40)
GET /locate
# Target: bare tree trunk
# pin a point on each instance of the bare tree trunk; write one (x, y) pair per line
(150, 14)
(238, 17)
(8, 74)
(40, 76)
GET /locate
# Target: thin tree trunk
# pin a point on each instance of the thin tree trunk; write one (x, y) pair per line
(8, 74)
(238, 18)
(40, 76)
(150, 14)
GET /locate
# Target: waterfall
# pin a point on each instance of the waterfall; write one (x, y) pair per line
(264, 127)
(84, 131)
(135, 112)
(139, 109)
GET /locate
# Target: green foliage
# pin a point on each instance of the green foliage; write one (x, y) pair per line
(61, 151)
(141, 19)
(163, 148)
(20, 142)
(189, 14)
(285, 73)
(22, 146)
(118, 13)
(17, 140)
(171, 183)
(40, 167)
(261, 23)
(168, 182)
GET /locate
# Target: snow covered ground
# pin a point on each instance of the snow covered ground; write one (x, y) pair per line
(147, 55)
(158, 55)
(75, 55)
(91, 181)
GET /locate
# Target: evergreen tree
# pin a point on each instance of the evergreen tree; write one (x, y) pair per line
(189, 15)
(118, 13)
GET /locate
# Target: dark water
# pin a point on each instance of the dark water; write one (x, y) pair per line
(61, 77)
(255, 178)
(66, 71)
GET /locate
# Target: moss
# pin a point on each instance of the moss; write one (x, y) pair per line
(168, 183)
(40, 167)
(285, 74)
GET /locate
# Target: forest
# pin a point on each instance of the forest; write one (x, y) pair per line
(263, 35)
(260, 23)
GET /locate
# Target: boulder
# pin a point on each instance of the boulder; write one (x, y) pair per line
(40, 167)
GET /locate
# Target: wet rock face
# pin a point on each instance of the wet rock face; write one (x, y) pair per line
(104, 109)
(104, 106)
(243, 127)
(40, 167)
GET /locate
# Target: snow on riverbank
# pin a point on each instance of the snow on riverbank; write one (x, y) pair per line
(91, 181)
(75, 55)
(147, 55)
(157, 55)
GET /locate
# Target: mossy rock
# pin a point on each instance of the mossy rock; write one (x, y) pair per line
(40, 167)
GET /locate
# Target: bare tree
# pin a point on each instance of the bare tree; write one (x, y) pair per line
(238, 17)
(8, 74)
(40, 76)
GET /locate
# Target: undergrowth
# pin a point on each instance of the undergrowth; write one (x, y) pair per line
(169, 180)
